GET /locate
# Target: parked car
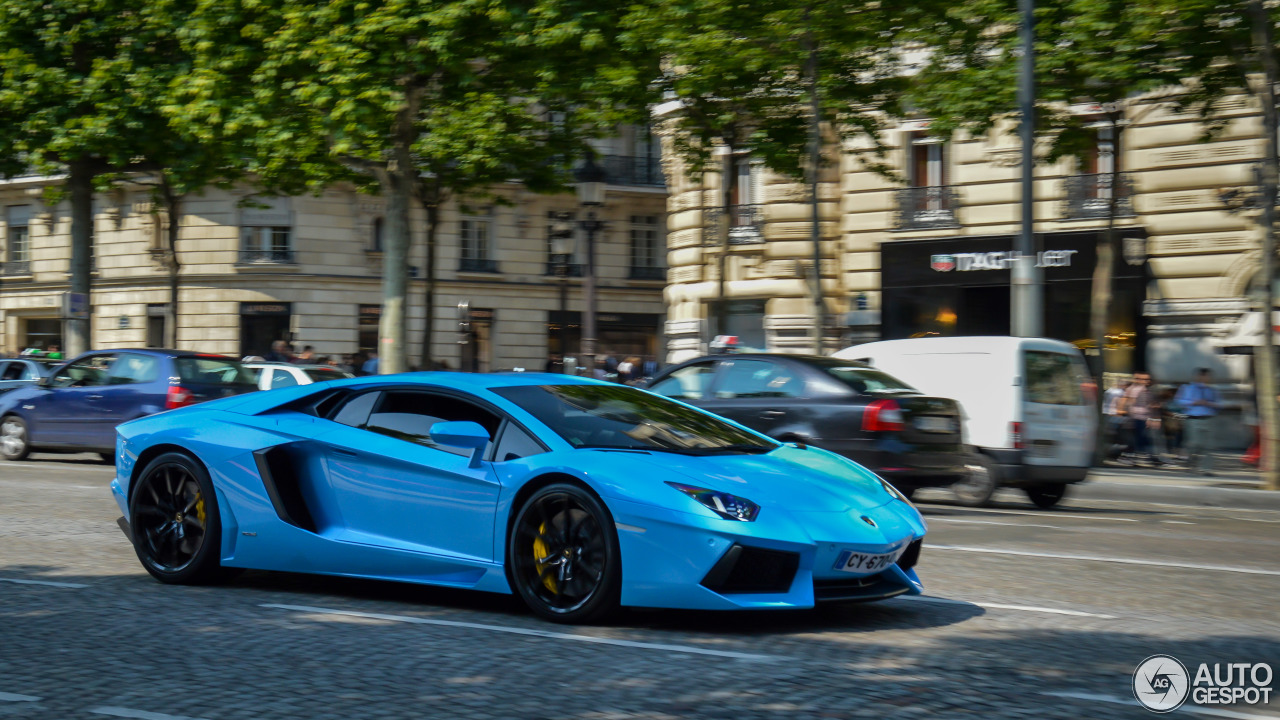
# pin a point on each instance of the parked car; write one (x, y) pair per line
(1027, 405)
(866, 415)
(273, 375)
(77, 408)
(20, 372)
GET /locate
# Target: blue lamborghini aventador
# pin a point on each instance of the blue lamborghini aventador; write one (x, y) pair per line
(578, 495)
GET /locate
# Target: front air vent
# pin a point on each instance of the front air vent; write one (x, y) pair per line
(279, 474)
(752, 570)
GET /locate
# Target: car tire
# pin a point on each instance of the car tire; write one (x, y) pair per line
(14, 442)
(1046, 496)
(563, 557)
(980, 486)
(174, 521)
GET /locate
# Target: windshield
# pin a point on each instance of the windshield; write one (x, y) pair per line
(213, 370)
(862, 379)
(616, 416)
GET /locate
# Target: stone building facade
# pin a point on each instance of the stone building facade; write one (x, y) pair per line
(308, 269)
(929, 254)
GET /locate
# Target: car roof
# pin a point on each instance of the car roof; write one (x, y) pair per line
(808, 359)
(309, 366)
(161, 352)
(474, 381)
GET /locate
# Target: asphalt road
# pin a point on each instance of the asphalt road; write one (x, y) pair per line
(1029, 614)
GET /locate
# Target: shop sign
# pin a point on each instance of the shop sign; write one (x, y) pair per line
(265, 308)
(1000, 260)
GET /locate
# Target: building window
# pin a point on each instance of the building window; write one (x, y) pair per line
(929, 201)
(266, 244)
(562, 228)
(377, 235)
(266, 231)
(1089, 193)
(476, 235)
(17, 240)
(646, 249)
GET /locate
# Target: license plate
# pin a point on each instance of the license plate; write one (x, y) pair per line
(934, 424)
(857, 562)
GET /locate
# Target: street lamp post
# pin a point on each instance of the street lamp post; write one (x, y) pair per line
(591, 180)
(561, 253)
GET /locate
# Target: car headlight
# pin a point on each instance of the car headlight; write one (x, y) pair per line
(729, 507)
(893, 491)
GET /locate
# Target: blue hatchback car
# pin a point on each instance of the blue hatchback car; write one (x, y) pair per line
(78, 406)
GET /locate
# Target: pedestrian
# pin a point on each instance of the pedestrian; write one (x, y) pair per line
(1199, 402)
(54, 352)
(279, 352)
(554, 363)
(370, 366)
(1137, 407)
(347, 364)
(625, 368)
(1116, 437)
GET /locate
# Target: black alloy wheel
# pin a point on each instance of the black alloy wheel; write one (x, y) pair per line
(1046, 496)
(174, 519)
(979, 486)
(563, 557)
(14, 444)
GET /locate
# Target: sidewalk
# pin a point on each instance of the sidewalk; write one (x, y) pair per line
(1233, 485)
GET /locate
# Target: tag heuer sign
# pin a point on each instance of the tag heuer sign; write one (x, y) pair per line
(943, 263)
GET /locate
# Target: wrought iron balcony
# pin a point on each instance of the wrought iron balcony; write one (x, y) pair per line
(482, 265)
(746, 224)
(921, 208)
(274, 256)
(647, 273)
(564, 269)
(628, 170)
(16, 267)
(1089, 196)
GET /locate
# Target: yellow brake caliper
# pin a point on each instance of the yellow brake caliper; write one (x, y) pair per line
(200, 508)
(540, 555)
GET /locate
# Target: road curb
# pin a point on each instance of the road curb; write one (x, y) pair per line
(1188, 495)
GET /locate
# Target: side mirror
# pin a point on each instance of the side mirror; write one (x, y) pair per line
(44, 381)
(462, 434)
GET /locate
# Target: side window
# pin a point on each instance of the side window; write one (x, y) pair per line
(515, 444)
(11, 371)
(409, 415)
(356, 410)
(85, 372)
(687, 383)
(129, 369)
(281, 377)
(758, 379)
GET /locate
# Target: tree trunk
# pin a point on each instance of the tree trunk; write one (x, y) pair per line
(80, 187)
(1268, 412)
(396, 186)
(173, 207)
(431, 204)
(814, 168)
(1100, 302)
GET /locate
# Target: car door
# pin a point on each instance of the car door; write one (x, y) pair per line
(762, 394)
(1057, 418)
(71, 412)
(393, 486)
(130, 387)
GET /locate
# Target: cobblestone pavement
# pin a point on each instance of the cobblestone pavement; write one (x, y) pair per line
(1028, 614)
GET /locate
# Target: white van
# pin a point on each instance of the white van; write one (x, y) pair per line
(1028, 410)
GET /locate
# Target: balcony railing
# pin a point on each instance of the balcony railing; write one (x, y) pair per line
(921, 208)
(746, 224)
(16, 267)
(647, 273)
(275, 257)
(565, 269)
(628, 170)
(1089, 196)
(482, 265)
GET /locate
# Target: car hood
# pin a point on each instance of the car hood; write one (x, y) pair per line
(810, 480)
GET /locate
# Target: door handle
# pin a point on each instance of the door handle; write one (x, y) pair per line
(95, 397)
(344, 453)
(773, 414)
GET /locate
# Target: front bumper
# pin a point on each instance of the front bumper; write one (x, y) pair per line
(784, 559)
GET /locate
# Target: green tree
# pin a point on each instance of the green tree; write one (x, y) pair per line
(1108, 55)
(78, 82)
(422, 101)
